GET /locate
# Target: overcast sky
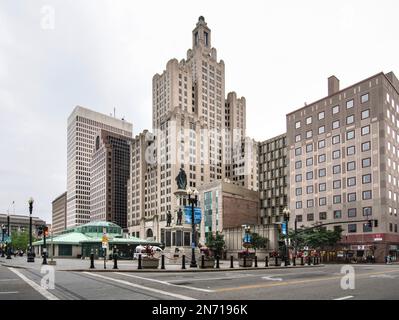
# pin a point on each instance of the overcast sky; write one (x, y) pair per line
(102, 54)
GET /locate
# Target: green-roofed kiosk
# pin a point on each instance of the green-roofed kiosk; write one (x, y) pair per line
(80, 241)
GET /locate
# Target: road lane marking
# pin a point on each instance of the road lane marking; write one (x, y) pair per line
(345, 298)
(14, 279)
(45, 293)
(8, 292)
(164, 282)
(287, 283)
(127, 283)
(382, 276)
(272, 279)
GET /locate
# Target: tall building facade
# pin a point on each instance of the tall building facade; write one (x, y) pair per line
(343, 155)
(83, 126)
(59, 212)
(273, 179)
(109, 175)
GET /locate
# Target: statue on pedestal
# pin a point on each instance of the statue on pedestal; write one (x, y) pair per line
(168, 219)
(181, 180)
(179, 217)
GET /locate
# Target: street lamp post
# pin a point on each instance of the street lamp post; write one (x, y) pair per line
(8, 235)
(286, 212)
(31, 257)
(193, 202)
(3, 230)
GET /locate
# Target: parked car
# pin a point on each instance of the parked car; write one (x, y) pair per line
(141, 250)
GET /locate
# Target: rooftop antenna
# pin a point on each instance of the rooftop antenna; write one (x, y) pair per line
(114, 112)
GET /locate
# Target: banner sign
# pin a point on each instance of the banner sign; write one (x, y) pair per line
(197, 214)
(247, 238)
(284, 228)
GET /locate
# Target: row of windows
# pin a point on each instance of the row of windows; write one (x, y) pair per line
(337, 214)
(351, 197)
(334, 110)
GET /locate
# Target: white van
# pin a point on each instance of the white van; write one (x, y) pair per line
(141, 250)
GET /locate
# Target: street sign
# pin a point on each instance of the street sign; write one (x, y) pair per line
(247, 238)
(197, 214)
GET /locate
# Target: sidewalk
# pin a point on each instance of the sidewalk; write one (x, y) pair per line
(79, 265)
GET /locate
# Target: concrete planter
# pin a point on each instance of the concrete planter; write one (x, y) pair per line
(150, 263)
(248, 262)
(207, 263)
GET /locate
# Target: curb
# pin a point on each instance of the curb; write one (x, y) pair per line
(188, 270)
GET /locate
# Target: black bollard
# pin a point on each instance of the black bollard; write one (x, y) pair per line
(231, 262)
(256, 261)
(266, 262)
(183, 262)
(294, 261)
(245, 261)
(115, 261)
(139, 266)
(302, 261)
(91, 260)
(203, 261)
(163, 262)
(217, 262)
(276, 261)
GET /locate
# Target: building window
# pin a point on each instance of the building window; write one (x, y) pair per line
(322, 158)
(335, 110)
(299, 218)
(322, 129)
(364, 98)
(349, 104)
(309, 120)
(336, 169)
(335, 124)
(337, 199)
(366, 178)
(366, 195)
(366, 162)
(366, 146)
(310, 216)
(309, 175)
(351, 212)
(323, 215)
(297, 124)
(309, 147)
(309, 162)
(351, 228)
(350, 119)
(350, 150)
(297, 138)
(298, 164)
(365, 130)
(298, 191)
(309, 189)
(350, 135)
(337, 184)
(367, 228)
(367, 211)
(322, 187)
(351, 182)
(310, 203)
(309, 134)
(365, 114)
(352, 197)
(298, 205)
(336, 139)
(321, 115)
(298, 151)
(337, 214)
(322, 173)
(322, 144)
(322, 201)
(351, 166)
(336, 154)
(298, 178)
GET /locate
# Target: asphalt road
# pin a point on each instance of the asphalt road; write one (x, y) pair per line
(370, 282)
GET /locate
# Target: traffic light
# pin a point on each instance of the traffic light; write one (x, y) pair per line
(370, 224)
(45, 231)
(375, 223)
(40, 231)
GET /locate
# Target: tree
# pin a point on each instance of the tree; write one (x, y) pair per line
(20, 239)
(216, 243)
(258, 242)
(317, 238)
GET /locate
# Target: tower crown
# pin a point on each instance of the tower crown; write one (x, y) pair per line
(201, 35)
